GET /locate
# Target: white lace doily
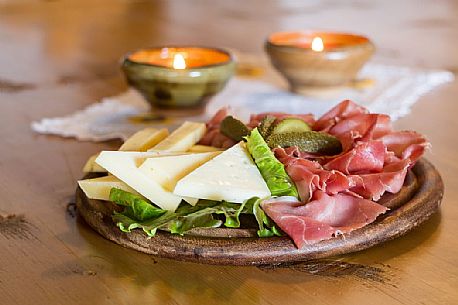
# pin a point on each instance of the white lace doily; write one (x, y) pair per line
(394, 91)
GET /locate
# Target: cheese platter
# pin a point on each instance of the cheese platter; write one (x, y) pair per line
(279, 188)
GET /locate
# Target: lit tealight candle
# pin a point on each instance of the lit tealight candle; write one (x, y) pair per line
(180, 58)
(178, 62)
(317, 44)
(318, 59)
(178, 77)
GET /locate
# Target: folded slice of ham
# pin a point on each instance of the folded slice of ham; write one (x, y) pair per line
(368, 174)
(310, 176)
(406, 144)
(366, 157)
(343, 110)
(363, 124)
(323, 217)
(373, 186)
(213, 136)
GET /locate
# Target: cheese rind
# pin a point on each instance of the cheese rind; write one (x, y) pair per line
(203, 148)
(144, 139)
(231, 176)
(99, 188)
(183, 138)
(124, 165)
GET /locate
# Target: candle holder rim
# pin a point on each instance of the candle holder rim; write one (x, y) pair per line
(365, 43)
(231, 59)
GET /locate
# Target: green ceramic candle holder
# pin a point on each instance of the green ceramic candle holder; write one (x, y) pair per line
(178, 77)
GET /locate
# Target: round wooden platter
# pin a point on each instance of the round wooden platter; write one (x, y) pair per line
(419, 198)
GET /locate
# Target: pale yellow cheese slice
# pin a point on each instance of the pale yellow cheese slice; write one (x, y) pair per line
(99, 188)
(183, 138)
(167, 170)
(231, 176)
(124, 165)
(144, 139)
(140, 141)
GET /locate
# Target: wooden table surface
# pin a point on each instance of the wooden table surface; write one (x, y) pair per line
(59, 56)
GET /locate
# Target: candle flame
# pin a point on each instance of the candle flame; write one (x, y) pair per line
(179, 62)
(317, 44)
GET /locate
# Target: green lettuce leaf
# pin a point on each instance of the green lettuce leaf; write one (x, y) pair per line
(271, 169)
(200, 219)
(170, 221)
(266, 226)
(138, 213)
(137, 207)
(232, 212)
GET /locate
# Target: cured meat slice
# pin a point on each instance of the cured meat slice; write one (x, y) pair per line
(364, 126)
(406, 144)
(310, 176)
(343, 110)
(373, 186)
(323, 217)
(366, 157)
(213, 137)
(218, 118)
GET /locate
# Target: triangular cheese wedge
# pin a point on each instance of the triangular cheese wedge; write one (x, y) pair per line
(168, 170)
(231, 176)
(99, 188)
(124, 165)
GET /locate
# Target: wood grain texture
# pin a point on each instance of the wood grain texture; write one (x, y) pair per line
(59, 56)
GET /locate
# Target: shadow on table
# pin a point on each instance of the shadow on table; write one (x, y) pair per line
(177, 281)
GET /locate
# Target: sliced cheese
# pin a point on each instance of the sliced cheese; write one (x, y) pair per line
(140, 141)
(124, 165)
(231, 176)
(92, 167)
(169, 169)
(99, 188)
(203, 148)
(183, 138)
(144, 139)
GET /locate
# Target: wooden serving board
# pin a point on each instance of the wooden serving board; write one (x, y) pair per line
(419, 198)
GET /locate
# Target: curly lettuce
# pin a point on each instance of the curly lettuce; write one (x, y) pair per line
(140, 213)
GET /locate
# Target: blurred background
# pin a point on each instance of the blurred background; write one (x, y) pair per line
(49, 42)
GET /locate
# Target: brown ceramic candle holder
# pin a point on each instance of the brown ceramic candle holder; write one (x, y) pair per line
(311, 60)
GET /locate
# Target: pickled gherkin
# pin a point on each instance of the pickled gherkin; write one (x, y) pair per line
(308, 141)
(266, 126)
(233, 128)
(291, 125)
